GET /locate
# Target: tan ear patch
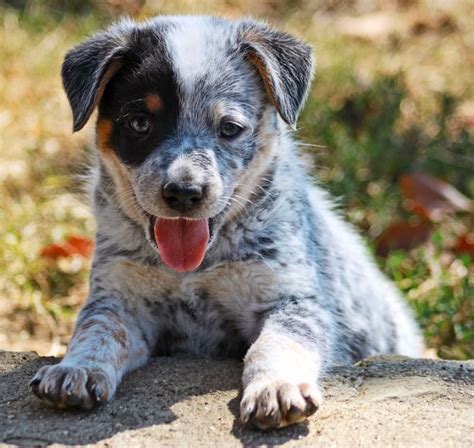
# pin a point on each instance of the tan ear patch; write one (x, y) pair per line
(153, 103)
(103, 133)
(257, 62)
(112, 69)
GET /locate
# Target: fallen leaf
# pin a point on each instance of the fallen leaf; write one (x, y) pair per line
(80, 245)
(432, 198)
(54, 251)
(440, 23)
(402, 235)
(465, 245)
(74, 245)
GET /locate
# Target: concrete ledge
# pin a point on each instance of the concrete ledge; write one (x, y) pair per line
(381, 401)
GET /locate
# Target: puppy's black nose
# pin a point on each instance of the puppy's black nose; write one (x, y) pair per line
(182, 198)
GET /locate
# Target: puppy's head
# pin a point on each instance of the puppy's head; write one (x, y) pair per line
(190, 109)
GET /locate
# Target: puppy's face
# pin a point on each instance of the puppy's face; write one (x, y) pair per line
(188, 118)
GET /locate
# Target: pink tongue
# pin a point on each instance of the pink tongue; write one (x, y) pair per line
(182, 242)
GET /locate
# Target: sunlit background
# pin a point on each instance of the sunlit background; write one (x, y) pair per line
(388, 128)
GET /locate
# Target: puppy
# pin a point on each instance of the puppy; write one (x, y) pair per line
(210, 238)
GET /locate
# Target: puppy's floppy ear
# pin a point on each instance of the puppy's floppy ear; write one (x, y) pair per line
(284, 63)
(87, 69)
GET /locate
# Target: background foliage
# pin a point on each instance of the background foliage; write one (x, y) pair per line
(392, 110)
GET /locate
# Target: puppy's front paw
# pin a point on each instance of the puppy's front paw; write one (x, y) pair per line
(277, 403)
(72, 387)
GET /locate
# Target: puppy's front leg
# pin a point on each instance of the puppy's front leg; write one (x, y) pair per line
(108, 341)
(283, 366)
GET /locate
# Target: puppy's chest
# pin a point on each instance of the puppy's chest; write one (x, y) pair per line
(215, 315)
(200, 326)
(216, 312)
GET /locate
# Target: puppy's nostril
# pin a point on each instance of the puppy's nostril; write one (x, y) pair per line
(182, 198)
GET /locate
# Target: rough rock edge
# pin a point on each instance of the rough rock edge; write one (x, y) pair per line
(183, 401)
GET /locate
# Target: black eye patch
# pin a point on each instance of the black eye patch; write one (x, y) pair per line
(144, 109)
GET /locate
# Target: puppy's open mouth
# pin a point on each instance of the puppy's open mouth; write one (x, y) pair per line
(182, 242)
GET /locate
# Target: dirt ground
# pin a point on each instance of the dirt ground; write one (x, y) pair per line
(383, 401)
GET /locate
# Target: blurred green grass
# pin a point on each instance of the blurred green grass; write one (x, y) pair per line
(393, 94)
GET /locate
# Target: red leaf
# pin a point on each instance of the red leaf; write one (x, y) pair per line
(80, 245)
(465, 245)
(74, 245)
(54, 251)
(402, 235)
(432, 198)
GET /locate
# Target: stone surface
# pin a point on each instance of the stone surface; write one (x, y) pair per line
(382, 401)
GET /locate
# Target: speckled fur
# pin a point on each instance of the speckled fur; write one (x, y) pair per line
(285, 284)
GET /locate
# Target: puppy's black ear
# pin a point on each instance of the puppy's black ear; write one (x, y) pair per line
(284, 63)
(86, 71)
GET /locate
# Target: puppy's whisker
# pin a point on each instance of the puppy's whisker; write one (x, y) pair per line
(312, 145)
(242, 198)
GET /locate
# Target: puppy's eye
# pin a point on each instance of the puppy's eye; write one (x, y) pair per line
(230, 129)
(140, 124)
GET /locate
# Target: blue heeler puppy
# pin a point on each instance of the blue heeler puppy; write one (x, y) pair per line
(211, 240)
